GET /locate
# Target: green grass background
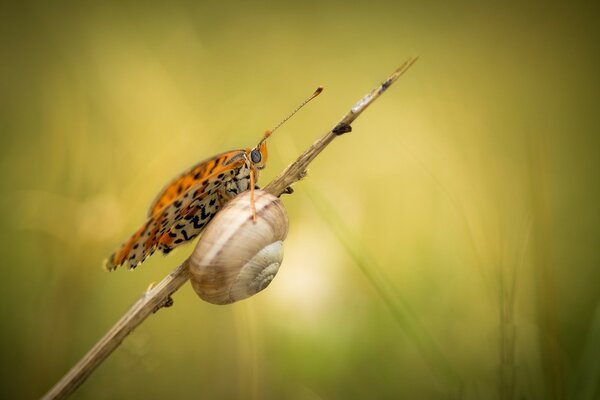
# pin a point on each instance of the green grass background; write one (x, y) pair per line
(447, 248)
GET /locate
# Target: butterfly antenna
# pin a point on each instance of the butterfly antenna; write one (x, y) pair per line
(312, 96)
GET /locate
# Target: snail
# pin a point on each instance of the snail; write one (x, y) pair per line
(237, 257)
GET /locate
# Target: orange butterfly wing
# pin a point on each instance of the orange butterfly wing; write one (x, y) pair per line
(181, 210)
(195, 175)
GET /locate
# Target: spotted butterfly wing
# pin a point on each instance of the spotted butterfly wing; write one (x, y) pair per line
(195, 175)
(185, 206)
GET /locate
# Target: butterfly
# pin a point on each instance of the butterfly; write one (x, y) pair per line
(186, 205)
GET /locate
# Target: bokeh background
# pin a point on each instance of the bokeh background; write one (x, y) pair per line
(447, 248)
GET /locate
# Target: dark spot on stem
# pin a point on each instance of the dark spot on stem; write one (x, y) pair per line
(342, 128)
(386, 84)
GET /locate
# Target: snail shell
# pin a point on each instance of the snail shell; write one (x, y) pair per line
(237, 257)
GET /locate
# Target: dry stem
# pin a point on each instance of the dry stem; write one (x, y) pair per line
(160, 295)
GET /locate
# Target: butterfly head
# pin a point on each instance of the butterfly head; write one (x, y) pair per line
(259, 154)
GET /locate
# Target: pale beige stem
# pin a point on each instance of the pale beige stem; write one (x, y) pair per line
(160, 295)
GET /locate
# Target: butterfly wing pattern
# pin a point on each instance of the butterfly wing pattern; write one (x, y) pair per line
(185, 206)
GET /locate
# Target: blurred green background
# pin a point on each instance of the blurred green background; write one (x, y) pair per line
(447, 248)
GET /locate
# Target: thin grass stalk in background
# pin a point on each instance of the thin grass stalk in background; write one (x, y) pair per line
(552, 364)
(508, 332)
(462, 213)
(585, 384)
(400, 309)
(507, 280)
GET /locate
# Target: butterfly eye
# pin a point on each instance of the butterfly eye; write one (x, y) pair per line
(255, 156)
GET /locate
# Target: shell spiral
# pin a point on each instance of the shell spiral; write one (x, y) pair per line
(237, 257)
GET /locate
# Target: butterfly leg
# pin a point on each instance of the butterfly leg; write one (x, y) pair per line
(252, 183)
